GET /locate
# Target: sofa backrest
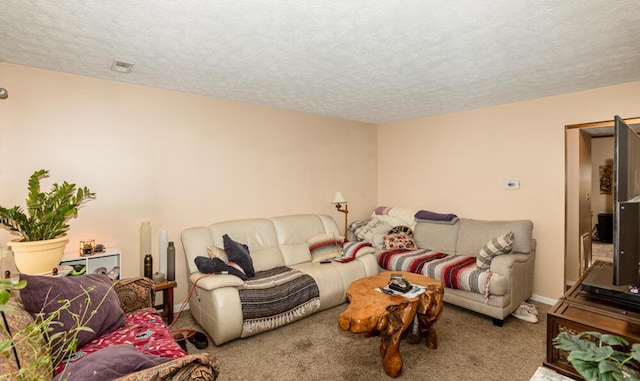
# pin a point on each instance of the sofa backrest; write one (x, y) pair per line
(439, 237)
(474, 234)
(293, 232)
(468, 236)
(273, 242)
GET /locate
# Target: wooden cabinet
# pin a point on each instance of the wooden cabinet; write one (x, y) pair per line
(578, 312)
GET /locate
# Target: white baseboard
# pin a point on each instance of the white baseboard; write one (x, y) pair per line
(176, 307)
(543, 299)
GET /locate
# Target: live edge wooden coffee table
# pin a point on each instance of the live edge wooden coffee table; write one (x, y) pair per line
(373, 312)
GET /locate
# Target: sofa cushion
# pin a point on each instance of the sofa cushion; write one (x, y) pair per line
(43, 293)
(144, 330)
(277, 297)
(437, 237)
(324, 247)
(110, 363)
(454, 271)
(239, 253)
(499, 245)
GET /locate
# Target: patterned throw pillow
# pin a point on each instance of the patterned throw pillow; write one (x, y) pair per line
(324, 247)
(373, 227)
(493, 248)
(401, 229)
(399, 241)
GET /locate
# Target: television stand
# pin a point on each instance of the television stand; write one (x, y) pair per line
(578, 311)
(598, 284)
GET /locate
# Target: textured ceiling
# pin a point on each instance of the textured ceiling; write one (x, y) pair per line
(369, 60)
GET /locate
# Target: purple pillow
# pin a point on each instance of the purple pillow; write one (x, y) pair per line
(109, 363)
(239, 253)
(43, 293)
(215, 265)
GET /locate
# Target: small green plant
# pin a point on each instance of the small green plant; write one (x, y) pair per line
(47, 212)
(598, 357)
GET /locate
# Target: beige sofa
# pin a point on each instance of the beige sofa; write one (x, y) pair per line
(273, 242)
(511, 282)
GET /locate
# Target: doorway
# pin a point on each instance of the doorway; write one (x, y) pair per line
(588, 202)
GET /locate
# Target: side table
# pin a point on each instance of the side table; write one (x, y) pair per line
(167, 298)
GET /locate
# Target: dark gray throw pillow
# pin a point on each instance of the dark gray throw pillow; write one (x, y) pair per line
(44, 293)
(216, 265)
(109, 363)
(239, 253)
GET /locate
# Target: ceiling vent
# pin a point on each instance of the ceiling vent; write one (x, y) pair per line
(121, 66)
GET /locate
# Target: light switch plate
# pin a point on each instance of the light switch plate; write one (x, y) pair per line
(512, 184)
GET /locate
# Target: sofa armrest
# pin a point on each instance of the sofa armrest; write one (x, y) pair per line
(134, 293)
(518, 269)
(503, 264)
(212, 281)
(200, 366)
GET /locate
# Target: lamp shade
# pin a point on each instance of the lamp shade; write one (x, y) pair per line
(339, 198)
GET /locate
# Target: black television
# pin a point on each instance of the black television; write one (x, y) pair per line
(626, 216)
(618, 283)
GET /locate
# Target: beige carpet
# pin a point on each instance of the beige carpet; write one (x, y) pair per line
(470, 347)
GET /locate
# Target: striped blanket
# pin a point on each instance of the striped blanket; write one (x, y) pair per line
(277, 297)
(454, 271)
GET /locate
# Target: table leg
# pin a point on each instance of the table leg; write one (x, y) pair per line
(398, 320)
(428, 313)
(168, 299)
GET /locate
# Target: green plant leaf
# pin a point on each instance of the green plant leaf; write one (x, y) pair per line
(594, 354)
(4, 296)
(47, 213)
(587, 369)
(567, 342)
(613, 340)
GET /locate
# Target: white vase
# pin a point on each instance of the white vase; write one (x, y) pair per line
(38, 257)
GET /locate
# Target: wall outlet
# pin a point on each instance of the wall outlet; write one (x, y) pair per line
(512, 184)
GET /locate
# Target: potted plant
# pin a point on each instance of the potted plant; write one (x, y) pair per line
(599, 356)
(42, 229)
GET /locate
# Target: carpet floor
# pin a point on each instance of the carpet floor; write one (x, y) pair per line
(470, 347)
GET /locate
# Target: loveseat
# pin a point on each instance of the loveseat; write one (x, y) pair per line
(117, 353)
(274, 244)
(447, 249)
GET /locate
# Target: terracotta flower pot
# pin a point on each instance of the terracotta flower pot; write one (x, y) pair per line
(38, 257)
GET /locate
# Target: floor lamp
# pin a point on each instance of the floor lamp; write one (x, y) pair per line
(339, 200)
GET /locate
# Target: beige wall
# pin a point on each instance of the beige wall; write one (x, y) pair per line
(457, 163)
(175, 159)
(181, 160)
